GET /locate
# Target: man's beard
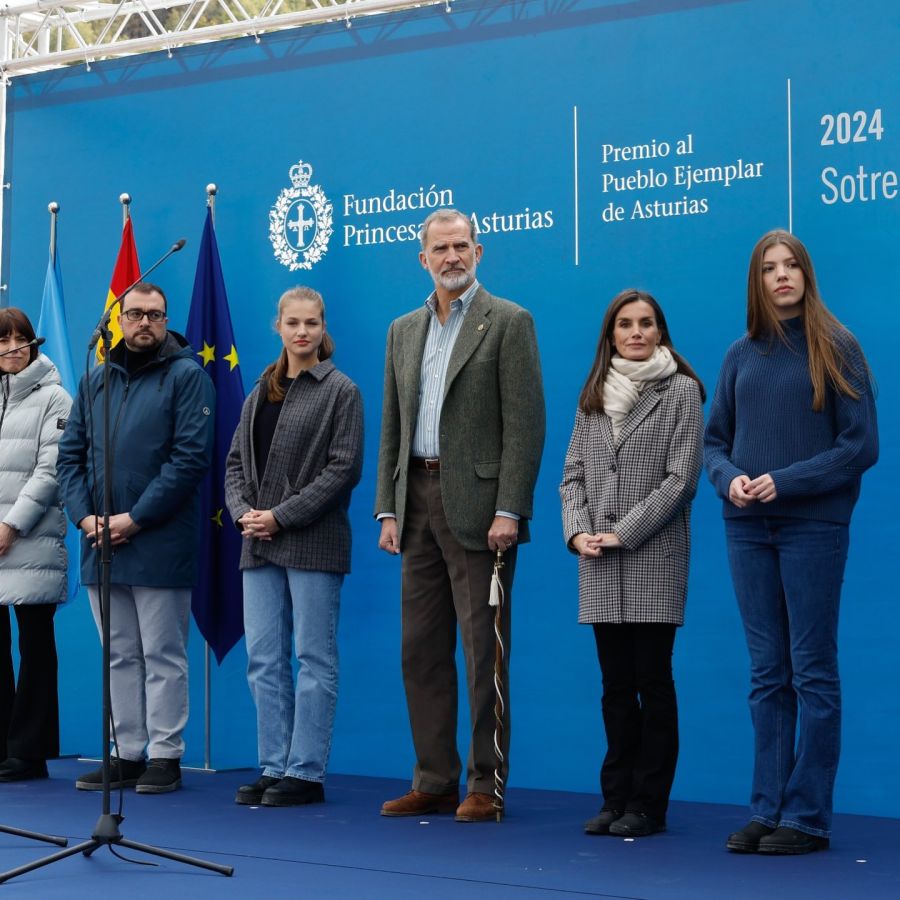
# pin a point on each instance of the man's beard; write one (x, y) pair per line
(456, 279)
(145, 346)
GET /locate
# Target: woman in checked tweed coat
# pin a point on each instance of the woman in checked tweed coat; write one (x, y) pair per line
(630, 474)
(295, 458)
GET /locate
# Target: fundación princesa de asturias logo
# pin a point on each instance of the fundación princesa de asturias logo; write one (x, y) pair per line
(300, 221)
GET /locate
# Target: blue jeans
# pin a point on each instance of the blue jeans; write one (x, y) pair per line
(294, 723)
(787, 576)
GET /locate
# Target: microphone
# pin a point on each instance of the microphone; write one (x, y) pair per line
(103, 324)
(35, 343)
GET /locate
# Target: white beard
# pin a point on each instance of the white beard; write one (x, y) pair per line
(454, 281)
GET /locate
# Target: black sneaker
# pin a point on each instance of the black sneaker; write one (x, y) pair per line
(600, 823)
(14, 769)
(161, 777)
(747, 839)
(251, 794)
(293, 792)
(123, 773)
(784, 841)
(636, 825)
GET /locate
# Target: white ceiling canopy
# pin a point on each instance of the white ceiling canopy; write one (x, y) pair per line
(36, 35)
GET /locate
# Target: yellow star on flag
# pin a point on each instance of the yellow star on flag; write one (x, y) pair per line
(232, 357)
(207, 354)
(217, 517)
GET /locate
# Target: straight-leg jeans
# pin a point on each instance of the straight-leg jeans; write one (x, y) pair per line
(148, 667)
(294, 722)
(787, 575)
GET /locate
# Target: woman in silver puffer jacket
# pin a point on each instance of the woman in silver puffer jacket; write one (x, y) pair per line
(32, 548)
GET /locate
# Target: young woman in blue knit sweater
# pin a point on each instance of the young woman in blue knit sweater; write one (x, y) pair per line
(791, 430)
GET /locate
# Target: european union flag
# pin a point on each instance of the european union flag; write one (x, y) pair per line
(52, 326)
(217, 601)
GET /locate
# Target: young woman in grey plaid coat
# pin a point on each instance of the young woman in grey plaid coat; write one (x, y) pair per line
(295, 458)
(630, 474)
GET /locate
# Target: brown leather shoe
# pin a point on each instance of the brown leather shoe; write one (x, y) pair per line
(476, 808)
(417, 803)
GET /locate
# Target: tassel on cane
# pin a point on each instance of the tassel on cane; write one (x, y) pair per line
(496, 600)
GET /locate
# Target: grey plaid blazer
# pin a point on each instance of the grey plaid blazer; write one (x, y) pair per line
(314, 463)
(641, 489)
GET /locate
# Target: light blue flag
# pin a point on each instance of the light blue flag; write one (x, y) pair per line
(52, 326)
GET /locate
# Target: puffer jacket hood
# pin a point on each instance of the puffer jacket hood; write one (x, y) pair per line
(39, 374)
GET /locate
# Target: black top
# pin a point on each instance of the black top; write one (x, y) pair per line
(135, 360)
(264, 426)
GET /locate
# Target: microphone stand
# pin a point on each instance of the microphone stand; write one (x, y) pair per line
(35, 836)
(106, 831)
(35, 343)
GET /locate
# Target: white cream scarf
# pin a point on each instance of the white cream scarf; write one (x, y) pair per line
(627, 378)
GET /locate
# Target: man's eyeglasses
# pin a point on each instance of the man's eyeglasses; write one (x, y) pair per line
(153, 315)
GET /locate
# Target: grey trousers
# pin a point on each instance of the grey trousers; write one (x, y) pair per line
(444, 585)
(148, 667)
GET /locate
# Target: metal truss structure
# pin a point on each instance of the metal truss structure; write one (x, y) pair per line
(36, 35)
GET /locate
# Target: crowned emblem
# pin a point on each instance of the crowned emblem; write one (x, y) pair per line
(300, 221)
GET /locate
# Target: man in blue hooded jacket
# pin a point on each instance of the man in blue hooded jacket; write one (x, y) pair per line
(162, 406)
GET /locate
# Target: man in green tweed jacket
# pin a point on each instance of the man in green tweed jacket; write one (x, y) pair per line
(461, 440)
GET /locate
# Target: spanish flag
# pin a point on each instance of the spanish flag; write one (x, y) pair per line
(126, 272)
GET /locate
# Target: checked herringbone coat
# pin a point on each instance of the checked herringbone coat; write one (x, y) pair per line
(314, 463)
(641, 489)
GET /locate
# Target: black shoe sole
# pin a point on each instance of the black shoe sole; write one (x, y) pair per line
(634, 833)
(27, 776)
(790, 849)
(742, 847)
(290, 801)
(157, 788)
(98, 786)
(248, 799)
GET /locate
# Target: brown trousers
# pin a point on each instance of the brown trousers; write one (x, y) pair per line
(445, 585)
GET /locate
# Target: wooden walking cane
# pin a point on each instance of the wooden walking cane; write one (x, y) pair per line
(497, 597)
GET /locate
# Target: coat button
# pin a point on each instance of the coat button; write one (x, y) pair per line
(610, 517)
(612, 468)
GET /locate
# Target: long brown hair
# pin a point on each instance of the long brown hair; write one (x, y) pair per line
(14, 321)
(591, 399)
(275, 372)
(828, 364)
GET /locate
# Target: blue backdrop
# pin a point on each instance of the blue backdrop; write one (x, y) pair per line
(600, 145)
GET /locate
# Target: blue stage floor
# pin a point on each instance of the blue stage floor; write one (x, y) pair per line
(344, 848)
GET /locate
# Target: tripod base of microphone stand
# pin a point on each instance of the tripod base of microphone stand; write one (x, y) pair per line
(106, 832)
(35, 836)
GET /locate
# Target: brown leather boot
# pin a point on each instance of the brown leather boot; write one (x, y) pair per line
(476, 808)
(417, 803)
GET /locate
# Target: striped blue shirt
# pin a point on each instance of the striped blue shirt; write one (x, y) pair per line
(433, 376)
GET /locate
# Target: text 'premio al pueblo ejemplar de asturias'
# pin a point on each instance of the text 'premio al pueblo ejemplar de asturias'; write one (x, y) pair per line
(666, 183)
